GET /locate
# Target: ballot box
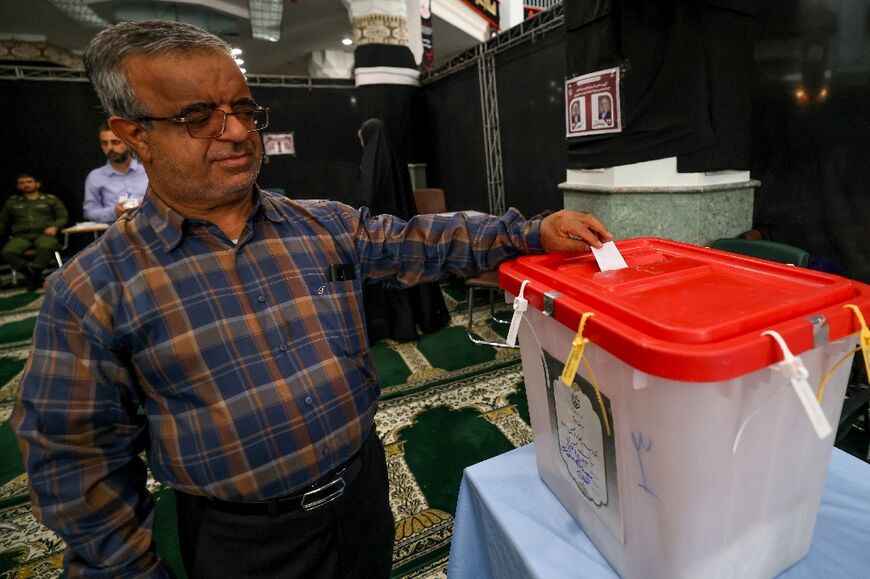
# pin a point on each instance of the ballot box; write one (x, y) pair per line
(676, 405)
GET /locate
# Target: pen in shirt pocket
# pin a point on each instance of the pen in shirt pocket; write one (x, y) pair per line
(342, 272)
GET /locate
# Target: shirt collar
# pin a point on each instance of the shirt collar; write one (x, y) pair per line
(168, 223)
(135, 167)
(269, 202)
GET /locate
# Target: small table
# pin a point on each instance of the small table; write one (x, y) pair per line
(509, 524)
(84, 227)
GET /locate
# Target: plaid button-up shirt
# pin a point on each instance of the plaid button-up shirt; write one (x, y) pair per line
(250, 359)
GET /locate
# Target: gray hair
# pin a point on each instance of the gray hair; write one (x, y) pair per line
(106, 54)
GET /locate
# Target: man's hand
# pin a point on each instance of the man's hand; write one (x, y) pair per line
(119, 209)
(50, 231)
(569, 230)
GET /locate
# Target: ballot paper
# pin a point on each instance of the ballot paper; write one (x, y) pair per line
(608, 257)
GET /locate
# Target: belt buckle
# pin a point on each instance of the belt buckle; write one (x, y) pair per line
(337, 487)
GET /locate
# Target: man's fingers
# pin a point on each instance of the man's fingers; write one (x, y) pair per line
(597, 227)
(584, 227)
(572, 231)
(583, 234)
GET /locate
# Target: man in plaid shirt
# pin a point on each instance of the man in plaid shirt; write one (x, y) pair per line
(233, 318)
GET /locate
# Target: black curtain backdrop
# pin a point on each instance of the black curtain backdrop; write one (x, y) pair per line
(452, 135)
(530, 79)
(812, 154)
(325, 124)
(52, 130)
(684, 80)
(812, 157)
(532, 120)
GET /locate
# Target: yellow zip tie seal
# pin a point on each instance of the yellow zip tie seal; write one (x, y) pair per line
(864, 346)
(578, 345)
(576, 353)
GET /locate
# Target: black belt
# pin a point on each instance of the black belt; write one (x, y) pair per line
(320, 493)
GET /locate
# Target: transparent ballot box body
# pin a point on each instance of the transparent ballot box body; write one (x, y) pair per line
(681, 445)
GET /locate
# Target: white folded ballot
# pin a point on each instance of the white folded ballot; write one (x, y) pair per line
(608, 257)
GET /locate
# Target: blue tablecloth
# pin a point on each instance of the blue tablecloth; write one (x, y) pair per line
(509, 524)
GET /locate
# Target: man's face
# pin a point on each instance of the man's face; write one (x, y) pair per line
(113, 148)
(192, 172)
(604, 104)
(28, 185)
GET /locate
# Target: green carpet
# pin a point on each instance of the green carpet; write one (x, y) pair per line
(446, 404)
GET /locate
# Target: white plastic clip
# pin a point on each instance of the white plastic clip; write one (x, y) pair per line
(793, 368)
(521, 304)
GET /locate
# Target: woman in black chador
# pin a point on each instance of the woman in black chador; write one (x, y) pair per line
(385, 187)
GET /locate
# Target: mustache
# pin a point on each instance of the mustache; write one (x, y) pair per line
(243, 148)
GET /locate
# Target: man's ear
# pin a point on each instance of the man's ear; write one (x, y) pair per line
(133, 135)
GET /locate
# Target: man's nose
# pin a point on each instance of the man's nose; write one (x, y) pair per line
(234, 130)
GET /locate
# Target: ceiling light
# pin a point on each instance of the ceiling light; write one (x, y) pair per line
(266, 16)
(346, 41)
(239, 61)
(236, 51)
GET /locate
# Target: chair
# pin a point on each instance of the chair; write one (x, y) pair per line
(853, 430)
(488, 281)
(30, 254)
(4, 267)
(856, 409)
(764, 249)
(430, 201)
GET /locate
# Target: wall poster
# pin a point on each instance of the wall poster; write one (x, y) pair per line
(592, 104)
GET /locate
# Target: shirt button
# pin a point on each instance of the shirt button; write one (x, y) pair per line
(308, 400)
(283, 347)
(261, 299)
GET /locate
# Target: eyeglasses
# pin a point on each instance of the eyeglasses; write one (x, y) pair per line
(211, 123)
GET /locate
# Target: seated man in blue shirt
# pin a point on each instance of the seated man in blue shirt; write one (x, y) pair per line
(116, 186)
(233, 317)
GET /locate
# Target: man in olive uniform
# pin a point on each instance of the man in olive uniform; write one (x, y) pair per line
(32, 219)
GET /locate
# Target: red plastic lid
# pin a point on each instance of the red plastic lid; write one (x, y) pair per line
(690, 313)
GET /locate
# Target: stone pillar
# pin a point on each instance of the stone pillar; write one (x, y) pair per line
(650, 199)
(385, 71)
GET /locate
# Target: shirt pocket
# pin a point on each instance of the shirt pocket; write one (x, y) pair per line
(338, 307)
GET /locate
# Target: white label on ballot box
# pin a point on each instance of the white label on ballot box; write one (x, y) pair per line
(581, 441)
(583, 448)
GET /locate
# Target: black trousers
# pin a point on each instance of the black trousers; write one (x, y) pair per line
(350, 537)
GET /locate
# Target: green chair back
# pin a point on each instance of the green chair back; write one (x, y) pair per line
(764, 249)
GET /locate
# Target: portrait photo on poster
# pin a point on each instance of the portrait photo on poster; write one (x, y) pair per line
(602, 110)
(576, 116)
(592, 104)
